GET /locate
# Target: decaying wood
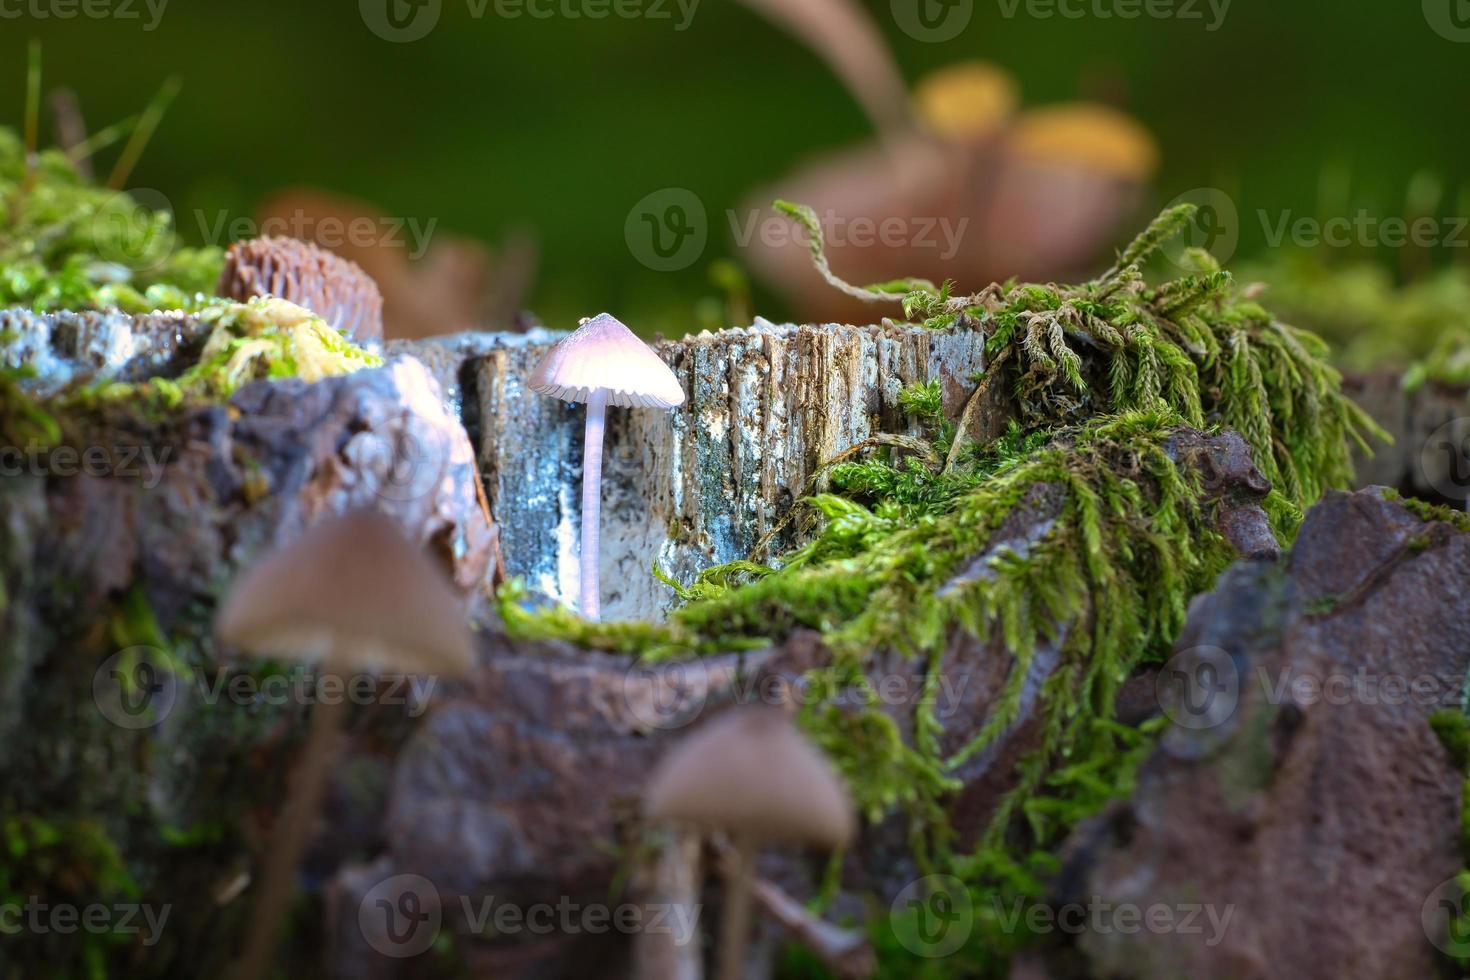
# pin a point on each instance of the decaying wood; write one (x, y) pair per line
(766, 407)
(1300, 790)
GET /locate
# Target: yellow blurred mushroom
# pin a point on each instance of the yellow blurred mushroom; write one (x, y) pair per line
(1088, 135)
(965, 102)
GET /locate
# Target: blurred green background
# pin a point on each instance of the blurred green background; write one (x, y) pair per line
(560, 125)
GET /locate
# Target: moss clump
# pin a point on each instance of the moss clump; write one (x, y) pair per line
(67, 244)
(1372, 320)
(1430, 513)
(49, 862)
(270, 338)
(262, 339)
(1447, 363)
(1193, 345)
(1107, 583)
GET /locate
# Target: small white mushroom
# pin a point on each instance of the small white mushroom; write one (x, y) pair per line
(354, 595)
(602, 363)
(753, 775)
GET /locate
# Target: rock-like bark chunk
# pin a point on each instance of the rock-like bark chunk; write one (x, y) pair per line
(1300, 803)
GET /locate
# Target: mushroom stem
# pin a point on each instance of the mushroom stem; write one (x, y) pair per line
(592, 504)
(735, 915)
(328, 718)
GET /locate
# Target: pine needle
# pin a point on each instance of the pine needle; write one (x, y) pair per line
(147, 124)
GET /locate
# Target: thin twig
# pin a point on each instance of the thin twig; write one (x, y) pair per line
(916, 446)
(33, 102)
(100, 140)
(843, 951)
(32, 128)
(71, 129)
(971, 404)
(147, 123)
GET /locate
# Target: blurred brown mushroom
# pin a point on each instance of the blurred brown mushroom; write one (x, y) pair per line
(845, 36)
(354, 595)
(333, 288)
(433, 283)
(974, 193)
(966, 102)
(1071, 176)
(751, 774)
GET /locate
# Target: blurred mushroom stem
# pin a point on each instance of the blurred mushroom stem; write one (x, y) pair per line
(845, 952)
(670, 877)
(592, 504)
(328, 719)
(739, 860)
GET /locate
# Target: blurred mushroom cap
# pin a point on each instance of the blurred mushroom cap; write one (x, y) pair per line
(1089, 135)
(750, 772)
(965, 102)
(604, 355)
(332, 287)
(352, 590)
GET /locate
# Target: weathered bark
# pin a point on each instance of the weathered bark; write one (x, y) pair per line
(87, 560)
(704, 483)
(76, 347)
(1301, 789)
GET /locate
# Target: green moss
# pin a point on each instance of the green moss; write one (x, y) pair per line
(264, 338)
(1453, 730)
(1430, 513)
(49, 862)
(1372, 320)
(65, 244)
(1108, 583)
(1447, 363)
(1193, 345)
(68, 244)
(1322, 605)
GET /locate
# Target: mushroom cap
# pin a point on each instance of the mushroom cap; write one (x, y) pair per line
(603, 354)
(352, 590)
(335, 288)
(751, 772)
(965, 101)
(1095, 137)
